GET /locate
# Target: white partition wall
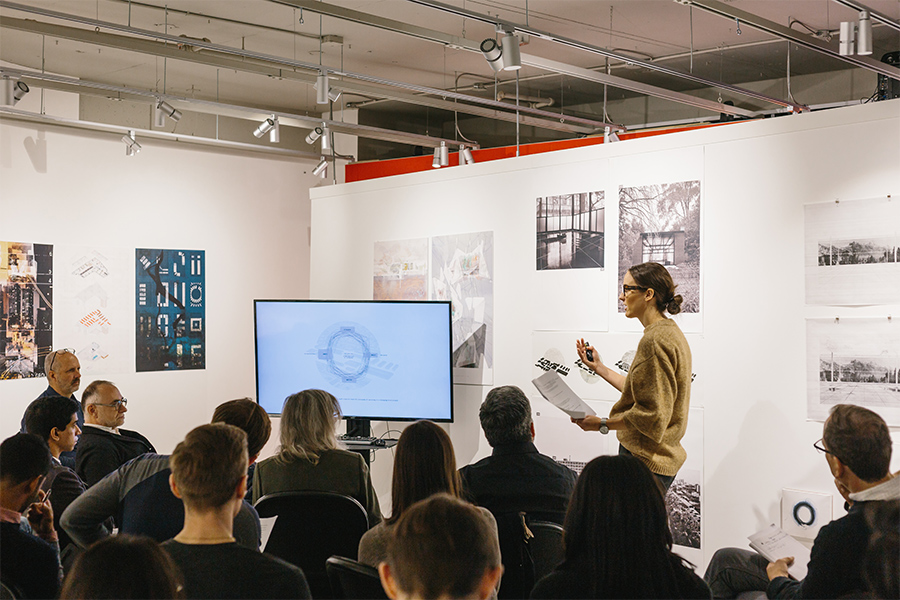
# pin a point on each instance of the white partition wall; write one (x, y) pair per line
(248, 212)
(749, 337)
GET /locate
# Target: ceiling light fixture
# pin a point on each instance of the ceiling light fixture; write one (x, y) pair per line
(11, 91)
(314, 135)
(163, 110)
(275, 132)
(131, 145)
(466, 153)
(511, 57)
(492, 54)
(264, 127)
(441, 156)
(321, 168)
(322, 88)
(856, 36)
(326, 138)
(610, 136)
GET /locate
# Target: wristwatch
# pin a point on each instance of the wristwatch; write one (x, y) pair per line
(604, 428)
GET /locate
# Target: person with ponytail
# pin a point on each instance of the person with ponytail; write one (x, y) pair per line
(651, 416)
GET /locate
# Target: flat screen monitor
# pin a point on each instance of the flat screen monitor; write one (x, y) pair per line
(382, 360)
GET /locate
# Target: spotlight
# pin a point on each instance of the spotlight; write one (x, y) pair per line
(131, 145)
(164, 109)
(848, 37)
(441, 156)
(322, 88)
(275, 132)
(864, 34)
(510, 56)
(12, 91)
(466, 154)
(609, 136)
(493, 54)
(321, 168)
(264, 127)
(314, 135)
(333, 95)
(326, 138)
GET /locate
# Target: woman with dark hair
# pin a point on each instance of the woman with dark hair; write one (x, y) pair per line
(309, 458)
(651, 416)
(617, 539)
(123, 566)
(424, 464)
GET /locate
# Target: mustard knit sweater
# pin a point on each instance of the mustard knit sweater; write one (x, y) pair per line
(656, 399)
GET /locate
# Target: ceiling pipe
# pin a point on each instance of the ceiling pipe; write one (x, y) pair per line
(596, 125)
(572, 43)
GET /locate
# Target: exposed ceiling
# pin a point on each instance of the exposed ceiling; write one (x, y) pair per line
(240, 45)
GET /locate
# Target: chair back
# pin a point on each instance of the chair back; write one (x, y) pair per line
(9, 592)
(311, 527)
(515, 553)
(353, 580)
(546, 547)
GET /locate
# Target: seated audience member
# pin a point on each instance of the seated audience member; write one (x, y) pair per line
(123, 566)
(617, 539)
(54, 420)
(424, 464)
(29, 550)
(63, 379)
(883, 554)
(209, 473)
(516, 477)
(104, 446)
(857, 447)
(441, 547)
(139, 497)
(309, 458)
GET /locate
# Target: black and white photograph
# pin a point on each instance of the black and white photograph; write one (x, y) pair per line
(852, 252)
(854, 361)
(661, 223)
(683, 506)
(570, 231)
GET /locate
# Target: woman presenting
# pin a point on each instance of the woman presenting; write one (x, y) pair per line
(651, 416)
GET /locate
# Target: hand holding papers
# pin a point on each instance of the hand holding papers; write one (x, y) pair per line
(774, 543)
(554, 389)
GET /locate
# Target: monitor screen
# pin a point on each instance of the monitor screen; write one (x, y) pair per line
(382, 360)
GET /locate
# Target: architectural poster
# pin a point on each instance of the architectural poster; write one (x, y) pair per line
(852, 252)
(26, 308)
(170, 310)
(93, 306)
(853, 361)
(661, 223)
(462, 268)
(401, 270)
(570, 231)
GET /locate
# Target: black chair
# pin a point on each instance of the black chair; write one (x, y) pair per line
(311, 527)
(8, 591)
(546, 547)
(352, 580)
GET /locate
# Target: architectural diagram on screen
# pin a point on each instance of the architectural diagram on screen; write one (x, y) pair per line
(347, 355)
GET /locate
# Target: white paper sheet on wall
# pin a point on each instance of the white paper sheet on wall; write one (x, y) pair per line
(853, 361)
(94, 308)
(852, 252)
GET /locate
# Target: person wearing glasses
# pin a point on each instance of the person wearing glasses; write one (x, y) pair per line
(104, 446)
(651, 416)
(63, 377)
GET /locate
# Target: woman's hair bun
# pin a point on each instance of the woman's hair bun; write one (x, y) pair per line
(674, 305)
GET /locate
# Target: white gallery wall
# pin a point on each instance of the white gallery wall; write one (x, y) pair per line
(248, 212)
(749, 341)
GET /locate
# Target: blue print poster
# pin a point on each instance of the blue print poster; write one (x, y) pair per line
(170, 310)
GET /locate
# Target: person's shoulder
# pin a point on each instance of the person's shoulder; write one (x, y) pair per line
(25, 545)
(341, 456)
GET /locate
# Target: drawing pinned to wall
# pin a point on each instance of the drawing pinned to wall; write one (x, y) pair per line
(853, 361)
(170, 309)
(852, 252)
(93, 306)
(26, 308)
(401, 270)
(462, 272)
(661, 223)
(570, 231)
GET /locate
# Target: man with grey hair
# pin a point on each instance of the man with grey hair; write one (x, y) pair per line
(516, 477)
(63, 373)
